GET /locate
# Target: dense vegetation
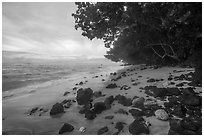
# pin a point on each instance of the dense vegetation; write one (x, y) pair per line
(152, 33)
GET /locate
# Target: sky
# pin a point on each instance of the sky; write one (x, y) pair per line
(47, 29)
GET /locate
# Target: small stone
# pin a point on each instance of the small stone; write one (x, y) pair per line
(119, 126)
(65, 93)
(111, 86)
(102, 130)
(66, 128)
(82, 129)
(109, 117)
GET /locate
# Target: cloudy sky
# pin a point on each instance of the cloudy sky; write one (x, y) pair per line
(45, 28)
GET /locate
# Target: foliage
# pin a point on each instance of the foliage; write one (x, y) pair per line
(143, 32)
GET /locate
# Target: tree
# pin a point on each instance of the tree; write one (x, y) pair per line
(144, 32)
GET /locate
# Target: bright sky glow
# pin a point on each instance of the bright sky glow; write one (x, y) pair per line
(45, 28)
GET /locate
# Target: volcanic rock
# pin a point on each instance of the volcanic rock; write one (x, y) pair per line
(84, 96)
(57, 109)
(66, 128)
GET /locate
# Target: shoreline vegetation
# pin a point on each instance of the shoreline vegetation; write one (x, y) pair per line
(136, 99)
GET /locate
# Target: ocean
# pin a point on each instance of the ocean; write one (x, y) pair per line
(21, 74)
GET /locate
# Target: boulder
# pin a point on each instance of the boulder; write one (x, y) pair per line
(161, 114)
(111, 86)
(102, 130)
(66, 128)
(99, 107)
(138, 127)
(57, 109)
(123, 100)
(84, 96)
(138, 102)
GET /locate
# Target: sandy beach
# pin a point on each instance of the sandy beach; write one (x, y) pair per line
(130, 82)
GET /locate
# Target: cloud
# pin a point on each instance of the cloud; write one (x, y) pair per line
(45, 28)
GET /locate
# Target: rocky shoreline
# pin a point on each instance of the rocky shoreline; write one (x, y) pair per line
(173, 99)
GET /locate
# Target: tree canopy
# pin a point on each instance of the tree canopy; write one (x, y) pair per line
(143, 32)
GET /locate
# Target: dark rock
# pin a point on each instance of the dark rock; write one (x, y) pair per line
(151, 80)
(75, 88)
(65, 101)
(170, 78)
(122, 111)
(84, 96)
(103, 80)
(33, 110)
(136, 113)
(108, 101)
(111, 86)
(66, 128)
(90, 115)
(138, 127)
(119, 126)
(99, 107)
(57, 109)
(123, 100)
(125, 87)
(102, 130)
(81, 83)
(138, 102)
(109, 117)
(136, 83)
(65, 93)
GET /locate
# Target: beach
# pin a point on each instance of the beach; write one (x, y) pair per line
(128, 82)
